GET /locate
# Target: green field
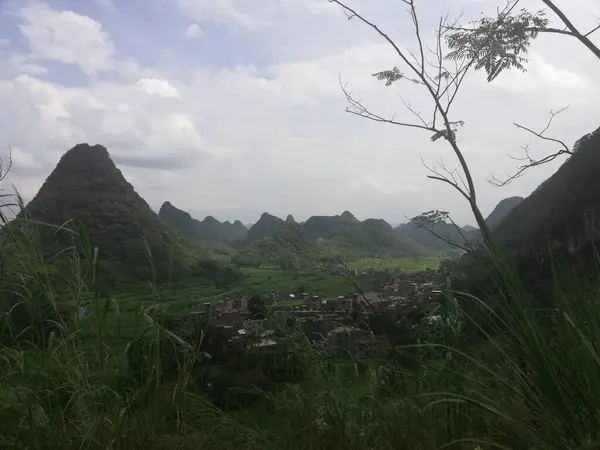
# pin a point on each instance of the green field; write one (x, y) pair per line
(190, 295)
(125, 319)
(182, 297)
(408, 264)
(185, 296)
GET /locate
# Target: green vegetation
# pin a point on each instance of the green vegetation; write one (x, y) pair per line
(86, 190)
(183, 296)
(208, 233)
(128, 379)
(408, 264)
(502, 210)
(87, 363)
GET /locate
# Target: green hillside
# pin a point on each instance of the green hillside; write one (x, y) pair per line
(87, 191)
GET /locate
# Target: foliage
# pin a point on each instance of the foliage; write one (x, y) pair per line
(256, 307)
(354, 239)
(436, 231)
(499, 43)
(155, 385)
(86, 189)
(207, 233)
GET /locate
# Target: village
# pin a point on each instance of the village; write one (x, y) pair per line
(350, 325)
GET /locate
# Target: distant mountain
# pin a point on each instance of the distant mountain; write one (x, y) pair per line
(209, 233)
(372, 237)
(347, 215)
(502, 210)
(342, 233)
(266, 226)
(238, 230)
(446, 233)
(225, 231)
(180, 220)
(86, 187)
(433, 243)
(287, 247)
(290, 219)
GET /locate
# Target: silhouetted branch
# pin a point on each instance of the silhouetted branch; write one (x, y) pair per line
(528, 160)
(583, 38)
(442, 86)
(428, 220)
(501, 42)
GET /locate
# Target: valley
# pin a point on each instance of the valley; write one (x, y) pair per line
(129, 320)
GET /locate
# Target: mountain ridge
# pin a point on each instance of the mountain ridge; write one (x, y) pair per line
(200, 231)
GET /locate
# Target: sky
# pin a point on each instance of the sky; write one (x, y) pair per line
(234, 107)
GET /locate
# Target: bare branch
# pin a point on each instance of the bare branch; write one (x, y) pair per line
(439, 86)
(357, 108)
(418, 115)
(428, 220)
(583, 38)
(528, 160)
(448, 179)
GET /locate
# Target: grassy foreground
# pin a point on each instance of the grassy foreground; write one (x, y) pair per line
(528, 379)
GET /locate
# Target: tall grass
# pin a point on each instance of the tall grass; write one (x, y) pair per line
(529, 380)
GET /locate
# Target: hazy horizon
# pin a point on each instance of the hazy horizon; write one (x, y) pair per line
(234, 110)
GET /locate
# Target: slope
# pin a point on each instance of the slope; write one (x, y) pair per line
(288, 247)
(502, 209)
(267, 225)
(433, 243)
(87, 187)
(209, 233)
(564, 210)
(557, 226)
(446, 233)
(370, 238)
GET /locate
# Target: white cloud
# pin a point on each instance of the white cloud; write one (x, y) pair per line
(66, 37)
(542, 76)
(219, 137)
(193, 31)
(155, 86)
(250, 15)
(23, 160)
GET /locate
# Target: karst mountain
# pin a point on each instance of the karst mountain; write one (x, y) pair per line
(86, 188)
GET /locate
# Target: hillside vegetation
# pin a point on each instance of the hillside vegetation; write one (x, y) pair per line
(86, 188)
(208, 234)
(501, 211)
(87, 203)
(557, 225)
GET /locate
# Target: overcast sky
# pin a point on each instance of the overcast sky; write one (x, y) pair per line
(233, 107)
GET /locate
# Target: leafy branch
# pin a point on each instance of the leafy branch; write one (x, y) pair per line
(502, 42)
(441, 79)
(430, 219)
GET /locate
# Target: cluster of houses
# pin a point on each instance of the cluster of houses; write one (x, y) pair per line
(339, 326)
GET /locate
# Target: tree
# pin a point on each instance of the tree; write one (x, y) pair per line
(441, 82)
(256, 307)
(495, 44)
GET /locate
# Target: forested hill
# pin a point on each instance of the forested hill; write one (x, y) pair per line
(87, 188)
(201, 231)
